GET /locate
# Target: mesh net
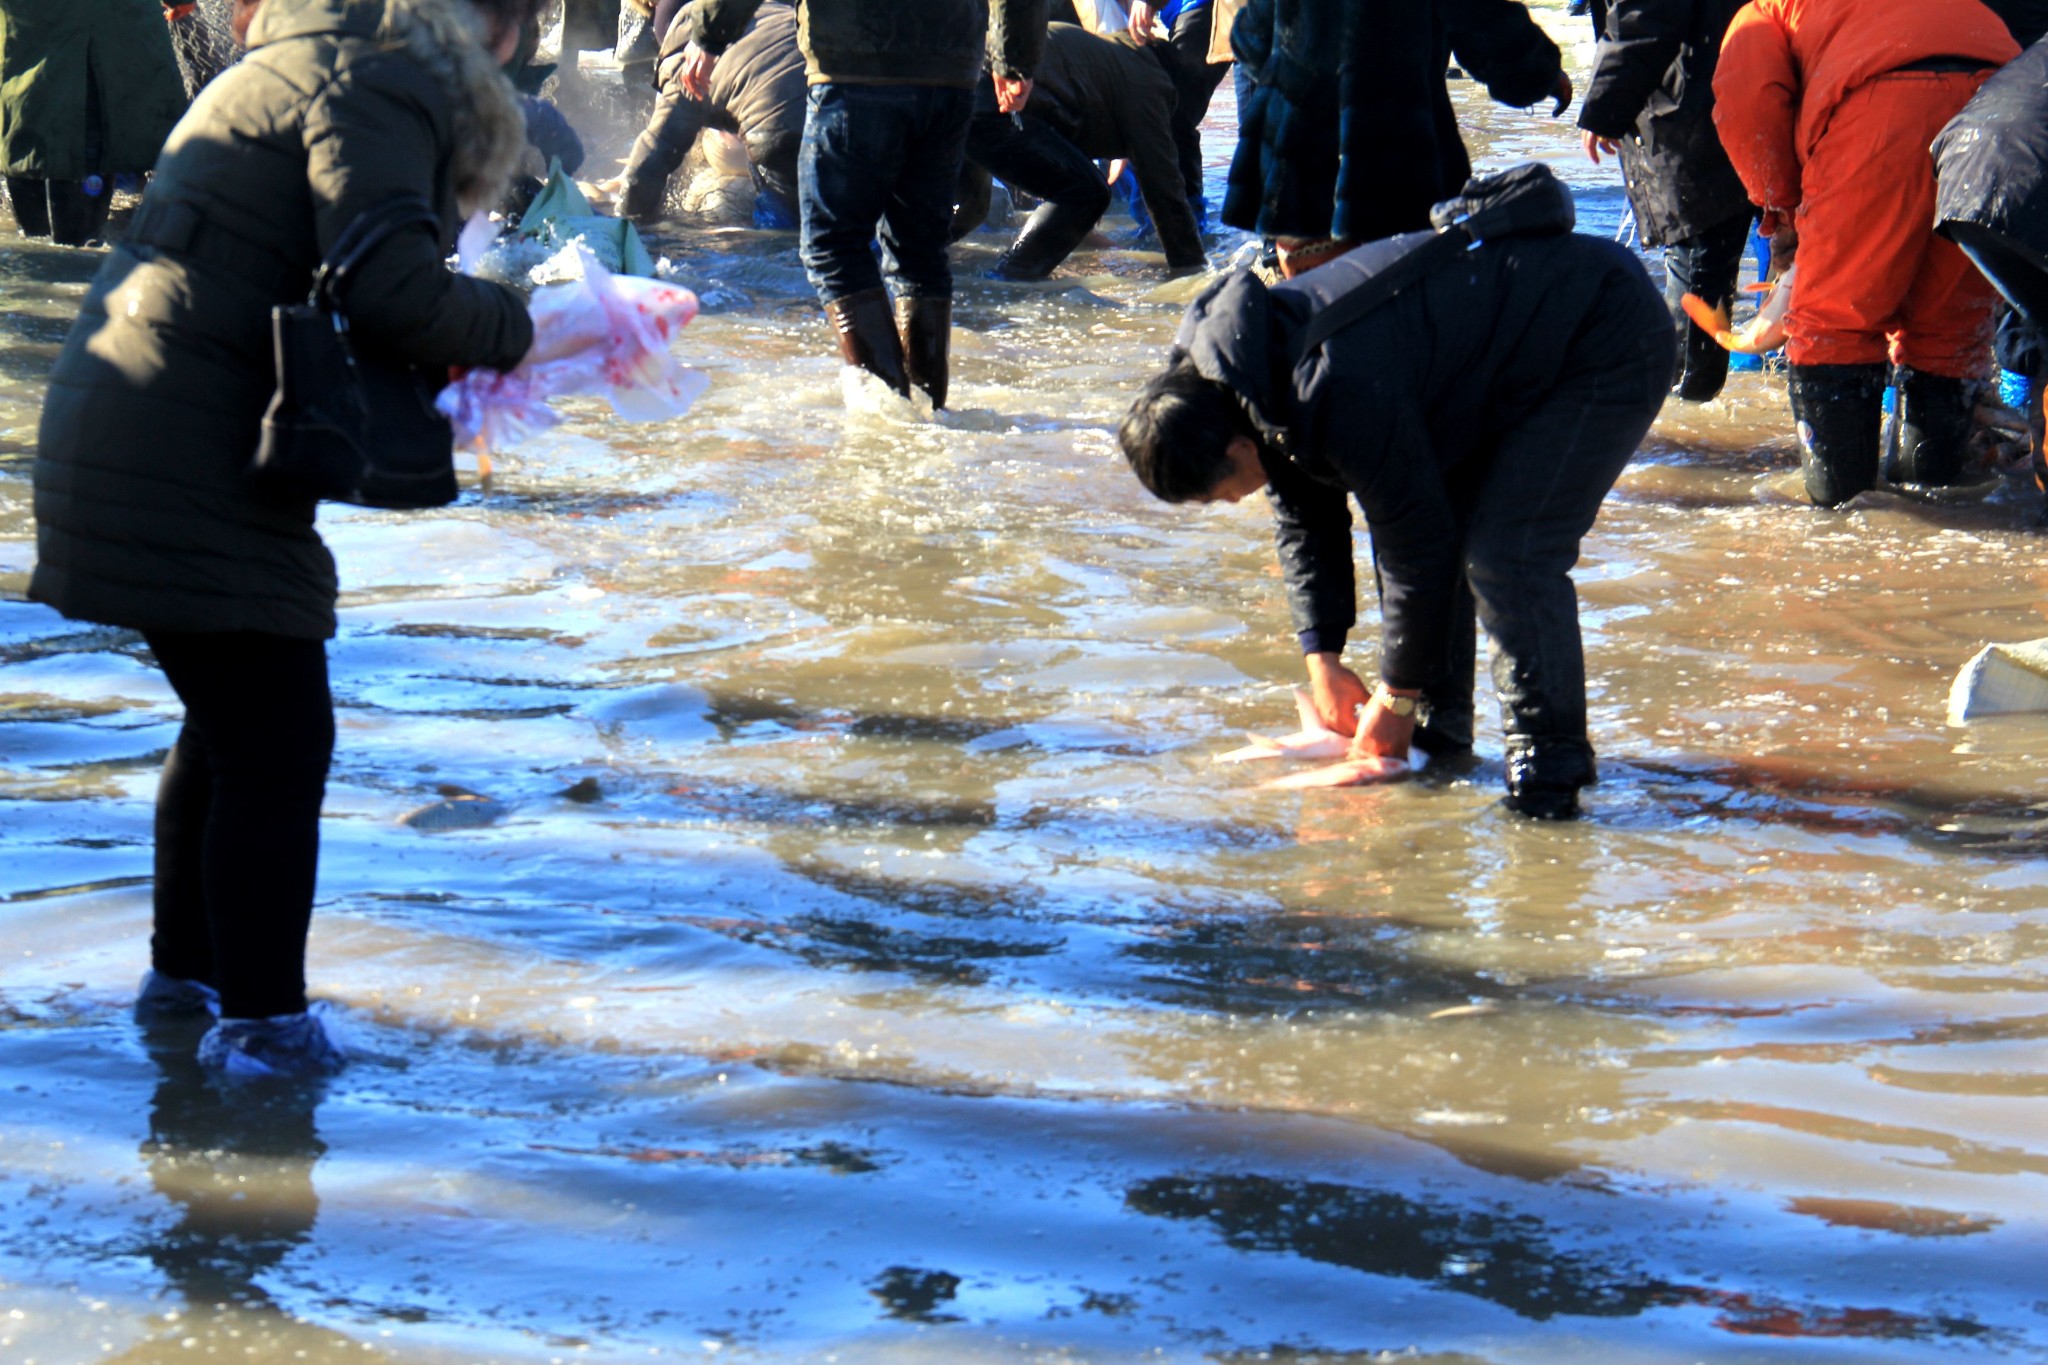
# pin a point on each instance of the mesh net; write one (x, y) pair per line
(204, 43)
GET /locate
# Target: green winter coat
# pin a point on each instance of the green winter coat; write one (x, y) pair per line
(68, 64)
(890, 42)
(143, 517)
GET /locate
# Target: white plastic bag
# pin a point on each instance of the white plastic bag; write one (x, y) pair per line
(597, 333)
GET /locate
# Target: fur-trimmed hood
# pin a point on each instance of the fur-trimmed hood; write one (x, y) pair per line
(446, 38)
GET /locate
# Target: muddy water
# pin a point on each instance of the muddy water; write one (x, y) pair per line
(861, 958)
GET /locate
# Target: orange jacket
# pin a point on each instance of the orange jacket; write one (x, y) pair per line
(1786, 64)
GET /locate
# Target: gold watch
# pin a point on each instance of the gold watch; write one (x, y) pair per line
(1400, 706)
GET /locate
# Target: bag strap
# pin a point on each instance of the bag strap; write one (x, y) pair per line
(1377, 289)
(365, 234)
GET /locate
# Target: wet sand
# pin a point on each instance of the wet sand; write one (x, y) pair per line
(860, 957)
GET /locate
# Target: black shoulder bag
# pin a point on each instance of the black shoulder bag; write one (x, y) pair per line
(346, 427)
(1524, 201)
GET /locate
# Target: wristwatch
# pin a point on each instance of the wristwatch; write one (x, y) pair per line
(1400, 706)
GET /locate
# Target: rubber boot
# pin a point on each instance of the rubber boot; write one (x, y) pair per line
(1840, 412)
(1702, 365)
(867, 336)
(76, 214)
(1050, 235)
(925, 326)
(1932, 430)
(1544, 776)
(31, 199)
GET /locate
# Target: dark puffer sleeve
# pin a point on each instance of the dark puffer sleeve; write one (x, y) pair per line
(371, 136)
(1016, 36)
(1641, 40)
(1312, 532)
(1501, 45)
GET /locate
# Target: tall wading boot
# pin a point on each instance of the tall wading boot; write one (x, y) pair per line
(1702, 364)
(925, 325)
(867, 336)
(1050, 235)
(31, 200)
(77, 214)
(1840, 412)
(1932, 430)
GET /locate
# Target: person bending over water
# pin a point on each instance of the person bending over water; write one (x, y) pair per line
(143, 515)
(1479, 416)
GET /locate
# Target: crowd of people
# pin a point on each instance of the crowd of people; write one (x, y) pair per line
(1439, 350)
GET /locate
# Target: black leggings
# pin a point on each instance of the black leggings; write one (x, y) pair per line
(238, 815)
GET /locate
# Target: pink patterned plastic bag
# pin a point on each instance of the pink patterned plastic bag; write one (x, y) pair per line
(602, 334)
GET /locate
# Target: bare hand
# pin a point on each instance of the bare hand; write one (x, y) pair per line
(1336, 691)
(696, 75)
(1143, 16)
(1596, 144)
(1778, 226)
(1382, 734)
(1562, 93)
(1012, 93)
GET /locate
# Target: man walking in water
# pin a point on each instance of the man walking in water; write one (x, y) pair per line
(885, 127)
(1478, 404)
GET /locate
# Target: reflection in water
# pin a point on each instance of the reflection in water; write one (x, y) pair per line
(239, 1169)
(1505, 1258)
(915, 1295)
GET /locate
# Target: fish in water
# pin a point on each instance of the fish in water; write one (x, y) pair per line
(1312, 740)
(1317, 741)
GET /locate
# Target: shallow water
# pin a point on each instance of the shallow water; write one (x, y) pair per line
(864, 960)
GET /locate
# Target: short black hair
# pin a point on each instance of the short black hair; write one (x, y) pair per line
(1178, 432)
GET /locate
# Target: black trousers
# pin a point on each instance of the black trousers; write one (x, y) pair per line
(1522, 524)
(238, 815)
(1031, 155)
(1706, 265)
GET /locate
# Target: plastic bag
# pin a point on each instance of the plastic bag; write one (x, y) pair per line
(561, 214)
(599, 334)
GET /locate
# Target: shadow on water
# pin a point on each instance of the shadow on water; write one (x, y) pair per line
(1783, 791)
(1508, 1259)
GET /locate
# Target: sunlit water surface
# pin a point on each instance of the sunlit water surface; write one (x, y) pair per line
(864, 959)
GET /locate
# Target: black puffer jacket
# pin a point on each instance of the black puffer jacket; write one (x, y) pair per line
(1652, 90)
(1403, 409)
(1991, 161)
(891, 42)
(1349, 130)
(144, 517)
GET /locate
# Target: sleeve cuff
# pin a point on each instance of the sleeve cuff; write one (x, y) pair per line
(1317, 641)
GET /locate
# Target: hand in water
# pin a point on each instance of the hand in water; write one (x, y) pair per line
(1381, 733)
(1012, 93)
(1336, 691)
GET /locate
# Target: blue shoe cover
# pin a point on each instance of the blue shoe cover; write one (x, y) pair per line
(172, 999)
(283, 1047)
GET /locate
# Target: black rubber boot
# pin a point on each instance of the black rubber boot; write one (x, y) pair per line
(76, 217)
(1840, 412)
(866, 330)
(1702, 365)
(1050, 235)
(1932, 430)
(925, 326)
(31, 200)
(1544, 776)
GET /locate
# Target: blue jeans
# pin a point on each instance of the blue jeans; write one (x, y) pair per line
(881, 157)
